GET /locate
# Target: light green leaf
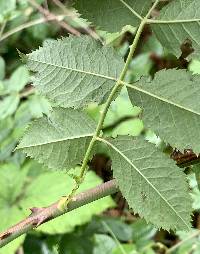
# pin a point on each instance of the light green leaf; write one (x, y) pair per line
(6, 7)
(194, 66)
(8, 105)
(8, 218)
(75, 71)
(130, 127)
(61, 184)
(121, 230)
(104, 244)
(11, 182)
(38, 105)
(59, 140)
(19, 78)
(142, 233)
(129, 248)
(2, 68)
(112, 15)
(171, 106)
(182, 24)
(151, 183)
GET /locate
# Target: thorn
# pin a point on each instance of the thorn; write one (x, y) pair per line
(35, 210)
(41, 220)
(22, 56)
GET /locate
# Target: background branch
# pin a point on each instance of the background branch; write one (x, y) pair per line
(41, 215)
(48, 14)
(30, 24)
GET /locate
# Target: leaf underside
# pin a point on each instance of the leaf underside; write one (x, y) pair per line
(151, 183)
(59, 141)
(75, 71)
(112, 15)
(173, 35)
(171, 106)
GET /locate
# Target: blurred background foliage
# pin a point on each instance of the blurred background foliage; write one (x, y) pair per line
(106, 226)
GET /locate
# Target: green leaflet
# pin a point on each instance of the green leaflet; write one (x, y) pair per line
(151, 183)
(171, 106)
(185, 24)
(74, 71)
(112, 15)
(60, 140)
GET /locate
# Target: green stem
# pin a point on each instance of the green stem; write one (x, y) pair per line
(152, 8)
(110, 98)
(99, 127)
(157, 21)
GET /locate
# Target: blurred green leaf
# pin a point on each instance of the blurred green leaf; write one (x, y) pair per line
(128, 248)
(40, 245)
(140, 66)
(193, 179)
(9, 216)
(12, 180)
(189, 243)
(142, 233)
(120, 229)
(38, 105)
(130, 127)
(2, 68)
(73, 244)
(8, 105)
(6, 8)
(120, 109)
(5, 128)
(19, 78)
(194, 66)
(103, 244)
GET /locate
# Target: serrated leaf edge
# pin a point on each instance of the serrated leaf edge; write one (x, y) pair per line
(127, 159)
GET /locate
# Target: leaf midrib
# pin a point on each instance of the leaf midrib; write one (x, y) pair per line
(160, 98)
(57, 141)
(123, 83)
(75, 70)
(129, 161)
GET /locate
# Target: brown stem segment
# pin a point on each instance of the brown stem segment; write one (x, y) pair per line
(41, 215)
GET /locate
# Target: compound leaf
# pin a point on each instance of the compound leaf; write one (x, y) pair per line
(59, 140)
(151, 183)
(182, 23)
(74, 71)
(112, 15)
(171, 106)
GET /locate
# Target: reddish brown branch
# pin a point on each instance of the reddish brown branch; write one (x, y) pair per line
(40, 216)
(50, 15)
